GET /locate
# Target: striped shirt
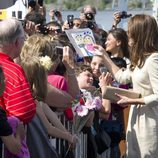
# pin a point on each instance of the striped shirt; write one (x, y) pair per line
(17, 99)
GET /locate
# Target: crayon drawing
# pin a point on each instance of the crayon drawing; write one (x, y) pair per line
(82, 40)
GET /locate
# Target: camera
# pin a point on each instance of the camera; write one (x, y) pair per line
(70, 19)
(32, 3)
(56, 13)
(61, 69)
(43, 29)
(89, 16)
(91, 25)
(40, 2)
(124, 15)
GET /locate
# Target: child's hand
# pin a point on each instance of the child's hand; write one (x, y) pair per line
(105, 79)
(20, 131)
(74, 141)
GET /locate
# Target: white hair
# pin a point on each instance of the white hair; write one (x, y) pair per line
(10, 29)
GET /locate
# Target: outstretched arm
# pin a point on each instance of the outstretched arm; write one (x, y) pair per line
(52, 123)
(68, 61)
(108, 62)
(58, 98)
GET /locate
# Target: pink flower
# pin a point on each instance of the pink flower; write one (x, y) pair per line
(97, 102)
(85, 103)
(89, 104)
(81, 110)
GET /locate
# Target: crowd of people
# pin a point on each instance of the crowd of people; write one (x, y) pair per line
(41, 76)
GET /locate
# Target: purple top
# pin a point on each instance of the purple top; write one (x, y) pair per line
(24, 153)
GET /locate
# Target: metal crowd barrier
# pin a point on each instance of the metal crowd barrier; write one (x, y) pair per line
(62, 146)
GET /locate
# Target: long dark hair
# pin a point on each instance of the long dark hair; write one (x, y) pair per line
(143, 30)
(121, 35)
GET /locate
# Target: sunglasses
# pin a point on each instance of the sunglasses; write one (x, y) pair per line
(56, 30)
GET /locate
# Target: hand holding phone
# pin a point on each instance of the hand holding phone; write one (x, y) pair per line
(59, 51)
(103, 69)
(70, 19)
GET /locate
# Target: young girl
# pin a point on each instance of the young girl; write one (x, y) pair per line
(33, 67)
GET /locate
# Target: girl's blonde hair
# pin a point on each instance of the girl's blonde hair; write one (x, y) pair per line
(36, 76)
(38, 45)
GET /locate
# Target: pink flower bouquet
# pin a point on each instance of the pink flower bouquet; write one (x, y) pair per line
(81, 108)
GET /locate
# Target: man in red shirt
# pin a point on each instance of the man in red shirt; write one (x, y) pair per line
(17, 99)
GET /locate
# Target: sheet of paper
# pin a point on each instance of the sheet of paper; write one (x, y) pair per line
(82, 40)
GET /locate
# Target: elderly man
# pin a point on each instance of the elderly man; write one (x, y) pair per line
(17, 99)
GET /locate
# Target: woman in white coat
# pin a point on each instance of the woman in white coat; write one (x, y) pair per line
(142, 130)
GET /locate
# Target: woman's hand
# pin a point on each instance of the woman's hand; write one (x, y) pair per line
(99, 48)
(101, 51)
(123, 100)
(117, 19)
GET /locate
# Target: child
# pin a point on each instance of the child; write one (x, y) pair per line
(85, 82)
(33, 67)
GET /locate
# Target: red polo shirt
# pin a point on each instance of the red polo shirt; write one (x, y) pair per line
(17, 99)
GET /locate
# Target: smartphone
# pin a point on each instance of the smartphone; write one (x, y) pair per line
(57, 13)
(103, 69)
(125, 15)
(70, 19)
(59, 51)
(61, 69)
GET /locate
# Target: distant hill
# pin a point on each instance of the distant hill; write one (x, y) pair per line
(99, 4)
